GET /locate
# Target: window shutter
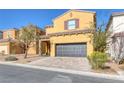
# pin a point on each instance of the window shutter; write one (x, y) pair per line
(77, 23)
(65, 25)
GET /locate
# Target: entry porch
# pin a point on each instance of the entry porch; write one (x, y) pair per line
(44, 46)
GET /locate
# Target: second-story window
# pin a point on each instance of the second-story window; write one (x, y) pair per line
(71, 24)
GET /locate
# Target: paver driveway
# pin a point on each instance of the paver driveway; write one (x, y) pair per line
(74, 63)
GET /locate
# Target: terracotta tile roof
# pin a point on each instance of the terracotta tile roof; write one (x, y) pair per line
(8, 40)
(45, 37)
(13, 29)
(67, 33)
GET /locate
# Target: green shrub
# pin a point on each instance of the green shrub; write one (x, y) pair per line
(98, 59)
(11, 58)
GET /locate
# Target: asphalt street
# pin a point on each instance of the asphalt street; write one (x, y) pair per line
(16, 74)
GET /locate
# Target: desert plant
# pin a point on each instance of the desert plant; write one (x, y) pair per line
(11, 58)
(100, 37)
(97, 60)
(100, 40)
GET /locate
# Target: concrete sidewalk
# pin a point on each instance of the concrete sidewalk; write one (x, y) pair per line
(105, 76)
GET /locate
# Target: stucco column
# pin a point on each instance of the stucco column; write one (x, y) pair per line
(89, 48)
(52, 50)
(40, 47)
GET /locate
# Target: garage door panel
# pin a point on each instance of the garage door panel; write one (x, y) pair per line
(71, 50)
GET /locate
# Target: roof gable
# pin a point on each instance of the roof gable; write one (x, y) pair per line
(72, 11)
(114, 14)
(118, 14)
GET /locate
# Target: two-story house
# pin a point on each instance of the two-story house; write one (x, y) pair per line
(116, 28)
(9, 43)
(70, 35)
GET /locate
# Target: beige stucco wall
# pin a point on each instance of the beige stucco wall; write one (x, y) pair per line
(4, 47)
(10, 48)
(15, 48)
(11, 32)
(86, 19)
(32, 48)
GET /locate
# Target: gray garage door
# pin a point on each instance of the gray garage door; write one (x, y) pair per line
(71, 50)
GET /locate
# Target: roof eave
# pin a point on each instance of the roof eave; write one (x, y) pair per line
(109, 22)
(73, 10)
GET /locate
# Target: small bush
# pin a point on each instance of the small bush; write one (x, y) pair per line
(97, 60)
(121, 61)
(11, 58)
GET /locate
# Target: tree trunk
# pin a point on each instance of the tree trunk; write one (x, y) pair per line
(26, 52)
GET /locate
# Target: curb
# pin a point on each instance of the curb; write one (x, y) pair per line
(120, 72)
(92, 74)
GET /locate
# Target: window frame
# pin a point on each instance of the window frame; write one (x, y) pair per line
(71, 24)
(66, 26)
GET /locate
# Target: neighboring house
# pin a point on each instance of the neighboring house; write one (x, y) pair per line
(70, 35)
(10, 45)
(116, 41)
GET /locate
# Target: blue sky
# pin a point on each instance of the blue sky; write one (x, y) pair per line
(42, 17)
